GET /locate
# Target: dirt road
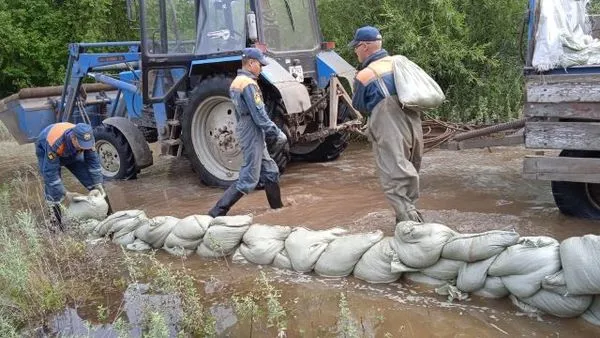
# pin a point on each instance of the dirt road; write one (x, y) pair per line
(470, 191)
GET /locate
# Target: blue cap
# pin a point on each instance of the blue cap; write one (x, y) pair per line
(255, 53)
(85, 135)
(366, 33)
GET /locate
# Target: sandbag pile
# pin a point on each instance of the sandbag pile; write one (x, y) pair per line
(538, 273)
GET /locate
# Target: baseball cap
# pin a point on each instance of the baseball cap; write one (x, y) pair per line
(255, 53)
(85, 135)
(366, 33)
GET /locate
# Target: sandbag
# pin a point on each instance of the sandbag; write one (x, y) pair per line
(523, 266)
(158, 229)
(178, 251)
(420, 245)
(445, 269)
(223, 240)
(232, 221)
(556, 283)
(374, 265)
(172, 241)
(578, 252)
(493, 288)
(192, 228)
(282, 261)
(138, 245)
(105, 226)
(592, 315)
(304, 246)
(421, 278)
(90, 206)
(125, 239)
(557, 305)
(415, 88)
(341, 255)
(261, 243)
(472, 276)
(477, 247)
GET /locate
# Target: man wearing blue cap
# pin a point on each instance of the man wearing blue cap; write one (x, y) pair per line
(253, 126)
(395, 132)
(72, 146)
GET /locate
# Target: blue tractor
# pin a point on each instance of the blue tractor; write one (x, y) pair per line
(172, 87)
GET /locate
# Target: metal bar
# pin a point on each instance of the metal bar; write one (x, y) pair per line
(108, 44)
(114, 82)
(490, 130)
(33, 93)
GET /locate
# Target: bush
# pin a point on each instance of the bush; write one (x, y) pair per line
(471, 48)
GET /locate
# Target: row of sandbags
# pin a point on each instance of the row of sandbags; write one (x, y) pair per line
(539, 273)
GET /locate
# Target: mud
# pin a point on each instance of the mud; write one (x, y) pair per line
(471, 191)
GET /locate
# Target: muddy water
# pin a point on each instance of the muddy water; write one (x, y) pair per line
(471, 191)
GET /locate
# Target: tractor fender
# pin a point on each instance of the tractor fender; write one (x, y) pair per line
(293, 93)
(330, 64)
(135, 138)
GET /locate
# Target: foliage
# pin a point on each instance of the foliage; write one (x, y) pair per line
(471, 48)
(35, 35)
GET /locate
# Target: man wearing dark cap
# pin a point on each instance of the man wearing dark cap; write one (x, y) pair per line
(72, 146)
(395, 132)
(253, 126)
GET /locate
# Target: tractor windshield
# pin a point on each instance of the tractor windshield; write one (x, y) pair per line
(222, 26)
(289, 25)
(170, 26)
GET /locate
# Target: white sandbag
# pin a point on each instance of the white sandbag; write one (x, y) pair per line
(592, 315)
(83, 207)
(178, 251)
(139, 245)
(444, 269)
(452, 292)
(159, 228)
(523, 266)
(580, 260)
(223, 239)
(238, 258)
(415, 88)
(556, 283)
(420, 278)
(173, 241)
(105, 226)
(205, 252)
(477, 247)
(192, 227)
(493, 288)
(304, 246)
(341, 255)
(261, 243)
(472, 276)
(282, 261)
(142, 231)
(374, 265)
(557, 305)
(420, 245)
(232, 221)
(125, 239)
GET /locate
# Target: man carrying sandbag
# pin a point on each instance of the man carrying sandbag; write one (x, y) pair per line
(395, 133)
(70, 145)
(253, 126)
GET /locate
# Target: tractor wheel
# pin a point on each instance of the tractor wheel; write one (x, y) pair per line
(578, 199)
(208, 132)
(328, 150)
(115, 153)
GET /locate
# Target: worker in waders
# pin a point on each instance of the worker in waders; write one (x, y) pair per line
(253, 127)
(395, 133)
(70, 145)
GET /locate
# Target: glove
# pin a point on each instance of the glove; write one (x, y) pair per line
(100, 188)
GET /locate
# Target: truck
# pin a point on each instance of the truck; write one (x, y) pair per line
(562, 111)
(172, 87)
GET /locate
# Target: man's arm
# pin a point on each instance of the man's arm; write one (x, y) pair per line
(255, 104)
(359, 99)
(93, 162)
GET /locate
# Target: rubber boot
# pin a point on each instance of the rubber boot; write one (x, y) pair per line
(229, 198)
(56, 221)
(273, 195)
(411, 215)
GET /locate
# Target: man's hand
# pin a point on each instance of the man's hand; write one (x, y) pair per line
(100, 188)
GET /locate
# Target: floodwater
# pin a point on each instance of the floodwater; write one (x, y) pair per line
(470, 191)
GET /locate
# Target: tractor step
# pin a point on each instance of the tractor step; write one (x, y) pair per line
(171, 142)
(173, 123)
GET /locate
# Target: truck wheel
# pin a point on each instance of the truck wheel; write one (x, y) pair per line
(328, 150)
(115, 153)
(578, 199)
(208, 133)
